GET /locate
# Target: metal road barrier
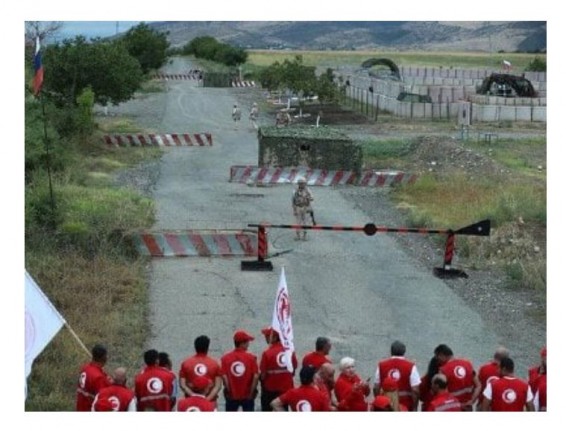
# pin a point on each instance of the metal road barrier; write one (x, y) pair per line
(159, 140)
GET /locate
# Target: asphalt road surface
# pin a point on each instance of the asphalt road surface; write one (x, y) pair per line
(362, 292)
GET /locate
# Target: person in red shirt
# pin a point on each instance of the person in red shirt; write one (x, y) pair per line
(324, 381)
(442, 401)
(305, 398)
(350, 390)
(536, 371)
(92, 378)
(164, 361)
(240, 374)
(404, 372)
(489, 371)
(320, 355)
(425, 388)
(200, 364)
(390, 389)
(275, 378)
(507, 393)
(197, 402)
(540, 396)
(463, 383)
(116, 397)
(380, 404)
(154, 385)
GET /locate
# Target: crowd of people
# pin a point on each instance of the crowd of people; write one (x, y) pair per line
(451, 383)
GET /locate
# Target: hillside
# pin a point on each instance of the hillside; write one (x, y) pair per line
(487, 36)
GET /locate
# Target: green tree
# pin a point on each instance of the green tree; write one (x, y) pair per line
(105, 67)
(537, 65)
(147, 45)
(326, 90)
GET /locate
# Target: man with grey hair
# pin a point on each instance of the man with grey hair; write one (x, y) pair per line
(442, 401)
(116, 397)
(404, 372)
(489, 371)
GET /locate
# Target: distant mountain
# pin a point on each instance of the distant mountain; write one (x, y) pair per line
(488, 36)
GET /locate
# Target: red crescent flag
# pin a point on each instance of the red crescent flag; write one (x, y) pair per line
(38, 69)
(282, 321)
(43, 322)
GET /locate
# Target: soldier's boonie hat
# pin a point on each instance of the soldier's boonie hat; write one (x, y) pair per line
(301, 180)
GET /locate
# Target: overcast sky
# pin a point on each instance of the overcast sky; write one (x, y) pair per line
(94, 28)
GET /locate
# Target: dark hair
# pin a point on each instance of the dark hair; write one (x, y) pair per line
(307, 375)
(398, 348)
(433, 367)
(440, 381)
(151, 356)
(507, 364)
(202, 342)
(163, 359)
(99, 352)
(443, 349)
(321, 342)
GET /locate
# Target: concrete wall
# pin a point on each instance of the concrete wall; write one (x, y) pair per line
(302, 147)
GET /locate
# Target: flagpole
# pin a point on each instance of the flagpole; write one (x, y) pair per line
(73, 333)
(48, 158)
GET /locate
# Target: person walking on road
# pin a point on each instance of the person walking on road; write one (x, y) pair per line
(240, 373)
(254, 114)
(92, 378)
(236, 115)
(200, 364)
(404, 372)
(116, 397)
(507, 393)
(463, 383)
(302, 210)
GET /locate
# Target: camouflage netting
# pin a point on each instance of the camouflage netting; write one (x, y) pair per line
(501, 84)
(393, 69)
(314, 147)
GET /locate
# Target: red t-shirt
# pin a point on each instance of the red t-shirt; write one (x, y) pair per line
(399, 369)
(541, 392)
(315, 359)
(509, 394)
(347, 397)
(274, 373)
(196, 403)
(305, 398)
(534, 376)
(92, 379)
(114, 398)
(486, 373)
(239, 368)
(460, 376)
(444, 402)
(199, 365)
(154, 387)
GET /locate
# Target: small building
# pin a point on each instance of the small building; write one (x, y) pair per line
(313, 147)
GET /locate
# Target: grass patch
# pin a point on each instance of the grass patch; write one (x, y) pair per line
(382, 154)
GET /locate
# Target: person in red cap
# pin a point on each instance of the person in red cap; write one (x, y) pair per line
(305, 398)
(274, 376)
(442, 401)
(463, 382)
(116, 397)
(350, 390)
(381, 404)
(389, 387)
(507, 393)
(490, 370)
(536, 371)
(200, 364)
(404, 372)
(92, 378)
(197, 401)
(320, 355)
(240, 374)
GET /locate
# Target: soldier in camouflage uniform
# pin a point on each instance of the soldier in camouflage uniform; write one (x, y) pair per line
(302, 210)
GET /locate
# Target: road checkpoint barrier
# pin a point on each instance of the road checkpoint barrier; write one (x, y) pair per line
(238, 83)
(173, 76)
(248, 174)
(195, 243)
(159, 140)
(481, 228)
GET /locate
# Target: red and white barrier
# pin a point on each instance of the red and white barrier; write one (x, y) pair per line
(181, 76)
(159, 140)
(243, 83)
(194, 243)
(317, 177)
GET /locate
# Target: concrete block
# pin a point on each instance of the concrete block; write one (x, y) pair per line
(539, 113)
(418, 110)
(523, 113)
(486, 112)
(507, 113)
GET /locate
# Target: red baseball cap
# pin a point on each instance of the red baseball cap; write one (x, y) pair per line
(381, 402)
(543, 352)
(389, 384)
(267, 331)
(200, 383)
(242, 336)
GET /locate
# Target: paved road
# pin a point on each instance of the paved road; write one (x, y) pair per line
(362, 292)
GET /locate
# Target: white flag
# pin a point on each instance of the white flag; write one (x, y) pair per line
(42, 322)
(281, 321)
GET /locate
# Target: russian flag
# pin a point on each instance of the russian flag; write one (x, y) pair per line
(38, 68)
